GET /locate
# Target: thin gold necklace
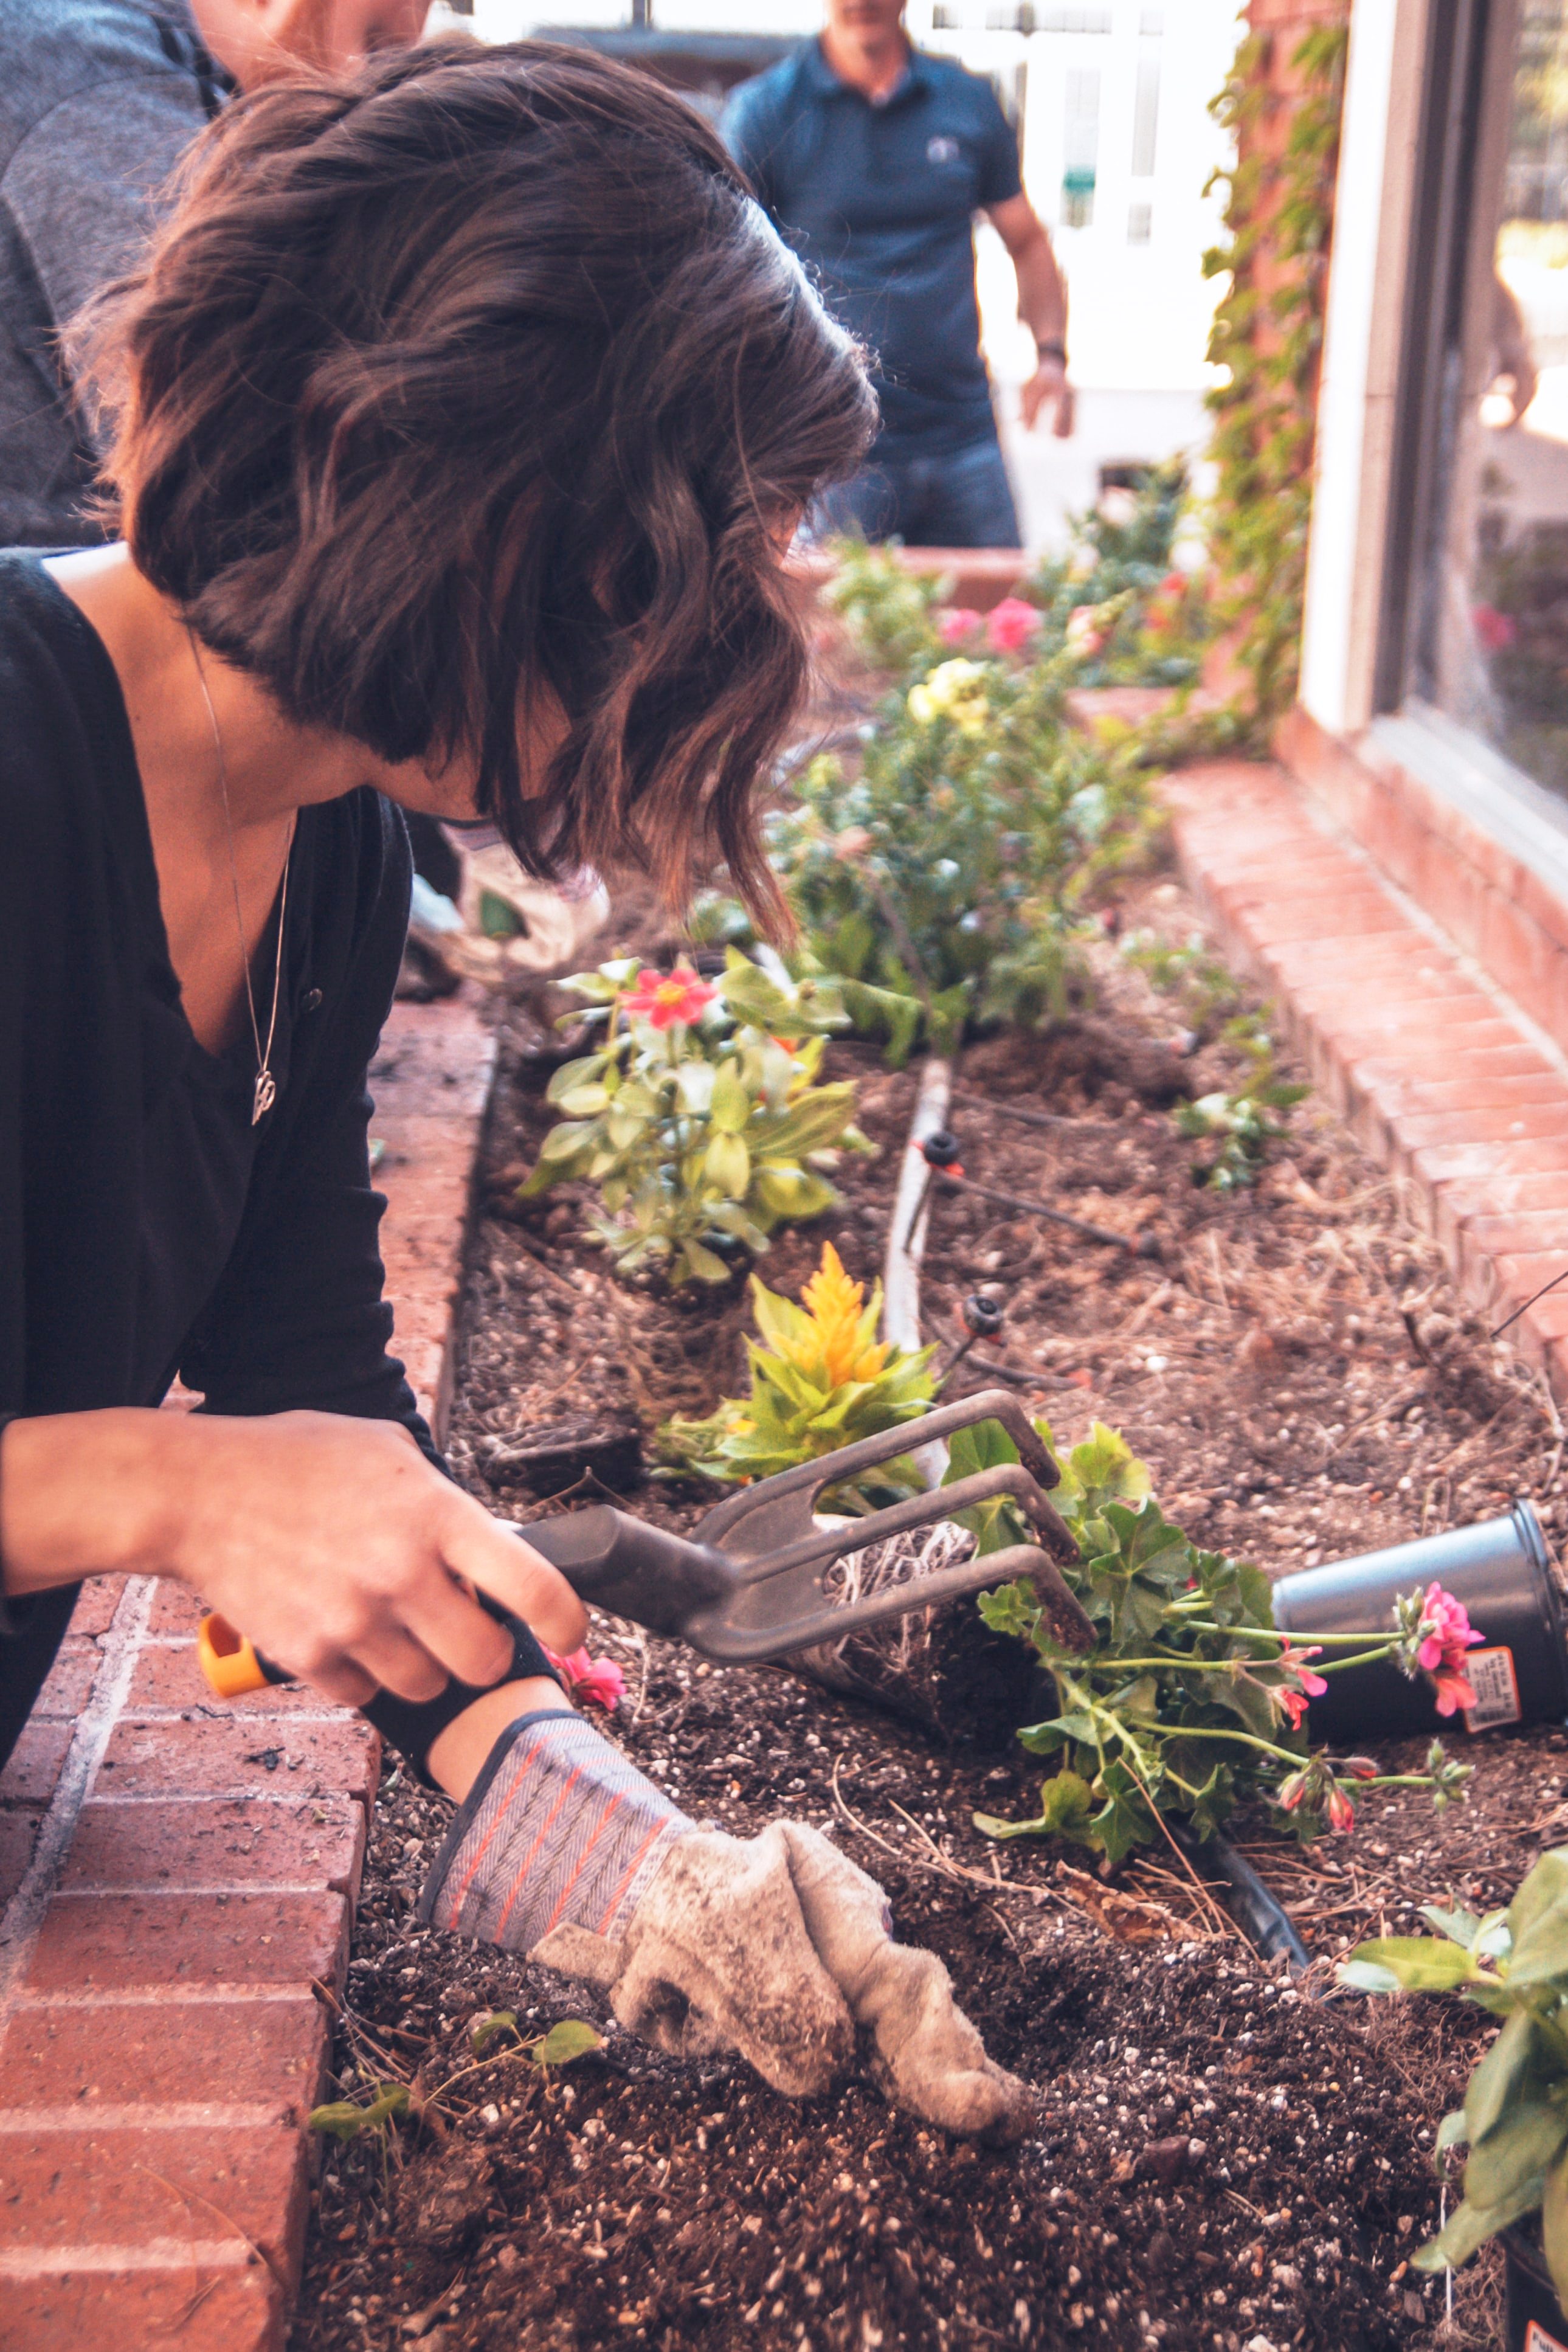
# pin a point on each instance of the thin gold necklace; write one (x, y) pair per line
(266, 1093)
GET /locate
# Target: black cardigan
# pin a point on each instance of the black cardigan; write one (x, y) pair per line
(145, 1228)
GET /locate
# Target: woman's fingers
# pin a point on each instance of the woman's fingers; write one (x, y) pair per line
(399, 1664)
(345, 1684)
(503, 1564)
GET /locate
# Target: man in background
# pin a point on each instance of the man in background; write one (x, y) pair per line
(872, 157)
(97, 100)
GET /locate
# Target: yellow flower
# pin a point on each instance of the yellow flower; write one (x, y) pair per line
(955, 690)
(834, 1303)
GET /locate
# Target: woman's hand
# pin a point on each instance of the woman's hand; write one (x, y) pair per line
(779, 1947)
(331, 1543)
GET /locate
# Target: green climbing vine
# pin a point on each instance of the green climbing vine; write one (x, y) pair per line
(1268, 332)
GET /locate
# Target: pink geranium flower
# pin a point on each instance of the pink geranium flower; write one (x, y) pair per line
(1295, 1705)
(596, 1682)
(958, 624)
(1012, 625)
(1449, 1634)
(662, 1001)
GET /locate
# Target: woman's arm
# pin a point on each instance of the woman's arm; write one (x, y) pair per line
(331, 1541)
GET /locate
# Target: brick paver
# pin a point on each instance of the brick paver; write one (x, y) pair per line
(177, 1879)
(1439, 1073)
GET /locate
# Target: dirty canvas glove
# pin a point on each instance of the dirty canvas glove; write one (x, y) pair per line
(929, 2057)
(776, 1947)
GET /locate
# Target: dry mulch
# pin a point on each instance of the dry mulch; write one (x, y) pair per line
(1224, 2161)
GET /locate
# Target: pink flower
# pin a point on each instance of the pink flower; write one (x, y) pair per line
(1292, 1788)
(1341, 1812)
(957, 625)
(597, 1682)
(1296, 1659)
(661, 1002)
(1174, 584)
(1295, 1705)
(1494, 630)
(1012, 625)
(1447, 1631)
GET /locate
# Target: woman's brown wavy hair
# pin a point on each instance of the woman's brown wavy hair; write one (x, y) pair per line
(480, 378)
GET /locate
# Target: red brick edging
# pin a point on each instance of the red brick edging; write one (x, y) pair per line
(178, 1878)
(1440, 1074)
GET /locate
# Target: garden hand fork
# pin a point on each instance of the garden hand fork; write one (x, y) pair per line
(747, 1585)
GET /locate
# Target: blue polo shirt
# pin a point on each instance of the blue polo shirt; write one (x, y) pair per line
(878, 203)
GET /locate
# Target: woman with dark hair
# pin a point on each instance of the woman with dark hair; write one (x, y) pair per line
(459, 418)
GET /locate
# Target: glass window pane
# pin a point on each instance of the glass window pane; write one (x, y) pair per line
(1496, 622)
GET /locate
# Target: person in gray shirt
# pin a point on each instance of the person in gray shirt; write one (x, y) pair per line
(98, 100)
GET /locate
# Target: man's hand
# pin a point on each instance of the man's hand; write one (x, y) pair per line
(331, 1543)
(1049, 381)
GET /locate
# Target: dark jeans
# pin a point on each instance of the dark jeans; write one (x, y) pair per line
(960, 500)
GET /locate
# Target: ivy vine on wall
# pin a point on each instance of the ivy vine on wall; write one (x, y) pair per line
(1267, 334)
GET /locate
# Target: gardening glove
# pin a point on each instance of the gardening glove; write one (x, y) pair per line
(776, 1947)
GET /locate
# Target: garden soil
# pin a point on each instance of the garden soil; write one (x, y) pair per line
(1225, 2159)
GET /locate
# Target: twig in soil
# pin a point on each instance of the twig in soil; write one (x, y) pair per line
(1529, 1304)
(1050, 1120)
(942, 1867)
(361, 2033)
(995, 1371)
(550, 1276)
(1142, 1245)
(1386, 1411)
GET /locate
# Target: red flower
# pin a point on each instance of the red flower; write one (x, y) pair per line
(1453, 1692)
(597, 1682)
(662, 1001)
(955, 626)
(1294, 1705)
(1012, 625)
(1292, 1788)
(1341, 1812)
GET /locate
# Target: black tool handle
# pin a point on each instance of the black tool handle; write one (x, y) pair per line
(632, 1570)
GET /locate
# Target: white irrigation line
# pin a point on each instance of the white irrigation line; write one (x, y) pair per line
(906, 1236)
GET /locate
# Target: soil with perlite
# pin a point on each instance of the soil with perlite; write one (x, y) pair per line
(1224, 2160)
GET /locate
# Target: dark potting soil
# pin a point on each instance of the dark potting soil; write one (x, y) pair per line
(1223, 2160)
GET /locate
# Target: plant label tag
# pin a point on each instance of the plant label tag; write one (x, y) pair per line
(1536, 2339)
(1491, 1676)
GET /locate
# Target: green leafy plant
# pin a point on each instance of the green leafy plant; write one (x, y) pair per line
(568, 2038)
(699, 1115)
(388, 2103)
(945, 877)
(1239, 1122)
(888, 612)
(819, 1378)
(1191, 1700)
(1118, 600)
(1268, 337)
(1515, 2115)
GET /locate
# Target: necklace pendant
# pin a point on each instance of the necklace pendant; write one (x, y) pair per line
(266, 1095)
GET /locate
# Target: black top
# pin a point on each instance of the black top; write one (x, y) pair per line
(879, 200)
(146, 1227)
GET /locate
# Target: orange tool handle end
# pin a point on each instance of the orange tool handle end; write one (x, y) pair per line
(227, 1659)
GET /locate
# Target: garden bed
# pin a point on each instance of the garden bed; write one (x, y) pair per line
(1222, 2161)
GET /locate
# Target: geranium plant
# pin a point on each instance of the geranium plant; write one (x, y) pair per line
(1515, 2115)
(700, 1115)
(1192, 1700)
(821, 1378)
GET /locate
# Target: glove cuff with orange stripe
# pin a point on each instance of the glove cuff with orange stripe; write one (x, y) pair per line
(559, 1830)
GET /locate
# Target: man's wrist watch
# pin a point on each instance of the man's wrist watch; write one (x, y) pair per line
(1054, 350)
